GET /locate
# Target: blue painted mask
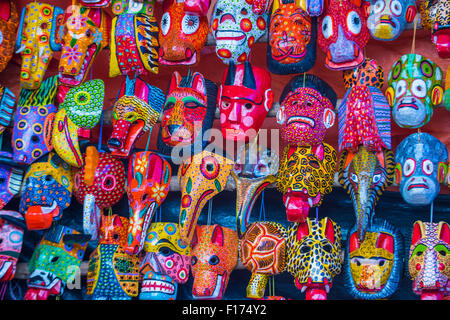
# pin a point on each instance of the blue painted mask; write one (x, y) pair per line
(420, 168)
(10, 182)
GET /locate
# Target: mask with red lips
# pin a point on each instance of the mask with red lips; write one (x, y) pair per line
(245, 98)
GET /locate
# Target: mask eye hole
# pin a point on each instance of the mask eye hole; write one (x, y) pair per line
(194, 260)
(328, 248)
(381, 262)
(327, 27)
(354, 177)
(244, 12)
(214, 260)
(109, 182)
(427, 167)
(248, 106)
(115, 236)
(408, 167)
(2, 180)
(165, 23)
(88, 33)
(54, 259)
(356, 261)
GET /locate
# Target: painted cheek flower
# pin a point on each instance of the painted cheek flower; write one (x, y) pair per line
(158, 192)
(77, 22)
(98, 37)
(141, 164)
(72, 54)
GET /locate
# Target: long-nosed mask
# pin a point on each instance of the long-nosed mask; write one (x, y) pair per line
(99, 184)
(429, 260)
(214, 257)
(201, 177)
(85, 32)
(12, 227)
(165, 262)
(305, 175)
(9, 21)
(37, 41)
(48, 191)
(33, 122)
(134, 113)
(148, 184)
(254, 170)
(365, 175)
(81, 109)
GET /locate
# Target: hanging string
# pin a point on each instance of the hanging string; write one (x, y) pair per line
(317, 214)
(3, 289)
(273, 285)
(413, 46)
(431, 211)
(99, 147)
(209, 211)
(262, 210)
(148, 139)
(160, 213)
(304, 79)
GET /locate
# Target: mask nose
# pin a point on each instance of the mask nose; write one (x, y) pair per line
(115, 143)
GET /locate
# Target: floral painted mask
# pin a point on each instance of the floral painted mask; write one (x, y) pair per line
(33, 122)
(9, 21)
(54, 263)
(10, 183)
(263, 252)
(201, 178)
(235, 28)
(421, 165)
(253, 171)
(148, 184)
(12, 226)
(292, 39)
(365, 175)
(245, 98)
(188, 113)
(165, 262)
(134, 45)
(415, 87)
(182, 35)
(343, 33)
(48, 191)
(99, 184)
(314, 256)
(306, 174)
(112, 273)
(81, 109)
(214, 257)
(374, 266)
(37, 41)
(84, 35)
(388, 18)
(307, 110)
(132, 6)
(135, 112)
(429, 260)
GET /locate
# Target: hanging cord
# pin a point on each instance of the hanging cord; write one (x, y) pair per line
(262, 210)
(3, 289)
(209, 211)
(431, 211)
(413, 46)
(317, 214)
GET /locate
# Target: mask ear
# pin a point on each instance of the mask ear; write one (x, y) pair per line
(353, 242)
(268, 102)
(302, 231)
(410, 13)
(386, 241)
(398, 174)
(366, 8)
(328, 117)
(328, 230)
(281, 116)
(18, 44)
(418, 232)
(437, 94)
(57, 22)
(217, 236)
(198, 84)
(442, 172)
(219, 96)
(390, 94)
(444, 232)
(175, 81)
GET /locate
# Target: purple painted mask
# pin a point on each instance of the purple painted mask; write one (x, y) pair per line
(10, 182)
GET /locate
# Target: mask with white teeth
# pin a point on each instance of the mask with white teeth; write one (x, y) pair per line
(165, 262)
(83, 35)
(48, 191)
(307, 110)
(236, 28)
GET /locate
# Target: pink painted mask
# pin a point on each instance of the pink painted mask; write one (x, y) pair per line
(245, 98)
(148, 184)
(343, 33)
(99, 184)
(306, 111)
(12, 226)
(214, 257)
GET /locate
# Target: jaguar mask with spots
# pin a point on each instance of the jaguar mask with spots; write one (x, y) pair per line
(99, 184)
(415, 88)
(365, 175)
(135, 112)
(388, 18)
(85, 32)
(201, 177)
(305, 176)
(81, 110)
(236, 28)
(182, 35)
(429, 260)
(33, 122)
(9, 22)
(255, 169)
(365, 103)
(373, 267)
(314, 256)
(165, 262)
(148, 185)
(263, 252)
(12, 227)
(214, 257)
(112, 273)
(343, 33)
(435, 16)
(306, 110)
(134, 45)
(291, 43)
(421, 166)
(37, 41)
(48, 191)
(54, 264)
(188, 113)
(245, 97)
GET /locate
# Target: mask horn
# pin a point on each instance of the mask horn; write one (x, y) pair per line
(231, 72)
(249, 78)
(276, 5)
